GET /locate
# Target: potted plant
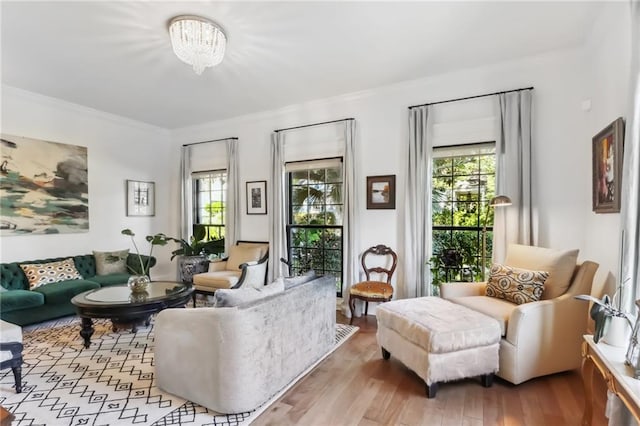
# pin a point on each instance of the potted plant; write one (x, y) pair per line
(194, 253)
(139, 279)
(604, 310)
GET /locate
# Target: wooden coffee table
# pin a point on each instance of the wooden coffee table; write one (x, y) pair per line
(124, 308)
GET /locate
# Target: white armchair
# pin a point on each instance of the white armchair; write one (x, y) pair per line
(543, 337)
(246, 265)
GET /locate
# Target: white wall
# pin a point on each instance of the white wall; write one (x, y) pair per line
(562, 137)
(118, 149)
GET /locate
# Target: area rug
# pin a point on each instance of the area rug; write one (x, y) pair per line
(111, 383)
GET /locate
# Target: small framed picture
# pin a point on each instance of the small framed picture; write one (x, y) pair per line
(381, 192)
(141, 198)
(607, 167)
(257, 197)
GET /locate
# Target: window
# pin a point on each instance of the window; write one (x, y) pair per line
(209, 201)
(463, 184)
(314, 229)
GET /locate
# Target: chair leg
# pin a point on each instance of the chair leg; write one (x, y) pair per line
(352, 308)
(366, 308)
(431, 390)
(17, 375)
(193, 295)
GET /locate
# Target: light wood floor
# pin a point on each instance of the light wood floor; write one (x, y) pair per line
(355, 386)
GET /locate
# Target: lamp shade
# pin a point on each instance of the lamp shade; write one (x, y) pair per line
(500, 201)
(197, 41)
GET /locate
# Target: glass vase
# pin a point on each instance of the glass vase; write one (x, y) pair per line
(138, 283)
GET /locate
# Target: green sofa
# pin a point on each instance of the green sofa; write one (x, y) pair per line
(22, 306)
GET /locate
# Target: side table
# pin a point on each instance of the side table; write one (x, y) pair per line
(609, 360)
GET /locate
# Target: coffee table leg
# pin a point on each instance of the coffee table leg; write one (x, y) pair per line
(87, 331)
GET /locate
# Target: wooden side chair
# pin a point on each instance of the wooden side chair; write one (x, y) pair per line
(372, 290)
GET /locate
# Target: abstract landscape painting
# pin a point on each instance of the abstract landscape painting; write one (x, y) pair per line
(43, 187)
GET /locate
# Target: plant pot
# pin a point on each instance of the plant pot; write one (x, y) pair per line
(191, 265)
(617, 332)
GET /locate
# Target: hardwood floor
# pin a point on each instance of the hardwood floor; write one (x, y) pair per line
(355, 386)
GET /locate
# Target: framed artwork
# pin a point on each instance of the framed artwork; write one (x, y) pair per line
(381, 192)
(141, 198)
(607, 167)
(257, 197)
(45, 187)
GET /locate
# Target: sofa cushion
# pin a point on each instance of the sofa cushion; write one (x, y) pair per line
(515, 285)
(498, 309)
(111, 279)
(14, 300)
(235, 297)
(560, 264)
(111, 262)
(290, 282)
(242, 253)
(63, 292)
(219, 279)
(45, 273)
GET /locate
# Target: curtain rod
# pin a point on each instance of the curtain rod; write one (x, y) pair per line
(315, 124)
(215, 140)
(472, 97)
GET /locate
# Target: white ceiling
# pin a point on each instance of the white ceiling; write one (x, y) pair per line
(116, 56)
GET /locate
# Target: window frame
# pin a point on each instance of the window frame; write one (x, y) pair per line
(196, 177)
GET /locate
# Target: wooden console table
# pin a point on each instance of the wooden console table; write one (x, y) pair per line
(609, 360)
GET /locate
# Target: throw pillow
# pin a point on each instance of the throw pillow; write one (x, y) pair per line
(240, 254)
(559, 263)
(111, 262)
(290, 282)
(226, 298)
(515, 285)
(45, 273)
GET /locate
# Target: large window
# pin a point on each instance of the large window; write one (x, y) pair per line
(314, 230)
(209, 201)
(463, 185)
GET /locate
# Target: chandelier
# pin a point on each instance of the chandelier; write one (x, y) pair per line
(197, 41)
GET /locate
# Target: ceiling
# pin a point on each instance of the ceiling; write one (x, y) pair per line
(115, 56)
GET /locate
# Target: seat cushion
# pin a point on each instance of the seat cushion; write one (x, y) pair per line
(10, 332)
(243, 253)
(437, 325)
(498, 309)
(14, 300)
(218, 279)
(372, 289)
(560, 264)
(63, 292)
(111, 279)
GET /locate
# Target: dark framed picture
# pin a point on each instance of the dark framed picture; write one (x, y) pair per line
(257, 197)
(141, 198)
(381, 192)
(607, 167)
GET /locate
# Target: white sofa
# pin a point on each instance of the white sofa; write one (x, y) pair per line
(542, 337)
(234, 359)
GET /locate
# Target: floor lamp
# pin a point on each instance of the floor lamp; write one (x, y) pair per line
(497, 201)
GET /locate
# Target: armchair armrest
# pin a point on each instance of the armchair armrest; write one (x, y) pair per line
(253, 274)
(217, 265)
(449, 290)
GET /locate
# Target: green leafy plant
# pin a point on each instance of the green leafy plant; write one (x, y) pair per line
(196, 244)
(154, 240)
(603, 310)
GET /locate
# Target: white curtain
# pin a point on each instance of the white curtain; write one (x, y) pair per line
(186, 221)
(351, 240)
(417, 224)
(276, 205)
(232, 225)
(630, 209)
(513, 224)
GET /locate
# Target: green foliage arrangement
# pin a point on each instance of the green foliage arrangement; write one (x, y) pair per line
(154, 240)
(196, 245)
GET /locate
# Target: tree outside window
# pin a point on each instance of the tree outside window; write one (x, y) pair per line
(209, 206)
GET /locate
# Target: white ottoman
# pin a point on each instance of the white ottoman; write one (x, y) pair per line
(439, 340)
(11, 351)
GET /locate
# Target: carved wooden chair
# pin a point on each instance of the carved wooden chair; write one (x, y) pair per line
(374, 290)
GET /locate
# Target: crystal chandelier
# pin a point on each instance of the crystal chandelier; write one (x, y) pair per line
(197, 41)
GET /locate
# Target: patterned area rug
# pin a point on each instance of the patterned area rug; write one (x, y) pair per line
(111, 383)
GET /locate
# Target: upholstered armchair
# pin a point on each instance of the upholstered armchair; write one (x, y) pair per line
(11, 351)
(539, 337)
(246, 265)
